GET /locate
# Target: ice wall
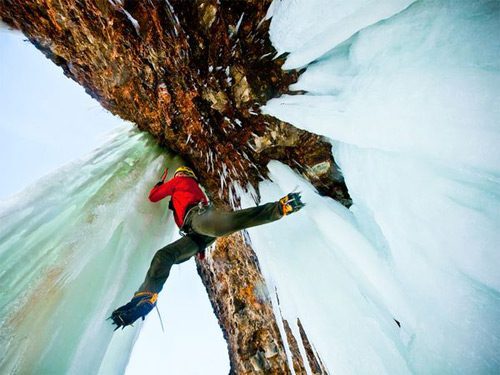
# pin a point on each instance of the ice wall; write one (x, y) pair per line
(72, 247)
(410, 104)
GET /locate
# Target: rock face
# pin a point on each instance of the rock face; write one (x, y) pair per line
(241, 301)
(193, 74)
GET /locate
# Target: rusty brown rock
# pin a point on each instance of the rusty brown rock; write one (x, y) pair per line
(189, 72)
(241, 300)
(298, 363)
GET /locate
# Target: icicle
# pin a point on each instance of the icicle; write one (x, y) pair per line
(265, 55)
(116, 3)
(250, 145)
(133, 21)
(238, 24)
(211, 160)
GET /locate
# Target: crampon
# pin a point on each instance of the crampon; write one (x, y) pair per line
(138, 307)
(291, 203)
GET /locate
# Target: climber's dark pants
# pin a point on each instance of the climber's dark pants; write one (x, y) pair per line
(203, 226)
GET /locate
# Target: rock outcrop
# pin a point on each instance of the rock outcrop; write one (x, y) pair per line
(193, 74)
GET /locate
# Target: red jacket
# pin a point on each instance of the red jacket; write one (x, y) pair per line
(185, 193)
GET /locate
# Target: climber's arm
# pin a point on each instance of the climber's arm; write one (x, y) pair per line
(162, 189)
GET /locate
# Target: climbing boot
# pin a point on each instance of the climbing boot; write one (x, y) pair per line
(138, 307)
(291, 203)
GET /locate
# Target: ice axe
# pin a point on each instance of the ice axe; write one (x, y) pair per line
(164, 175)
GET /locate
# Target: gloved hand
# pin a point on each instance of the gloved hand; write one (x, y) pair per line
(140, 306)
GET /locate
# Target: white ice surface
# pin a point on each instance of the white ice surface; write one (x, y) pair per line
(328, 275)
(424, 83)
(410, 104)
(308, 29)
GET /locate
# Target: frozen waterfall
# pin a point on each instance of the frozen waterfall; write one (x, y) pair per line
(407, 92)
(410, 103)
(72, 247)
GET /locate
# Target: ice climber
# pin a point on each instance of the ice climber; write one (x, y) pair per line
(200, 223)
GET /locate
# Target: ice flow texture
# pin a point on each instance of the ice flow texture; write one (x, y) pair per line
(72, 247)
(410, 104)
